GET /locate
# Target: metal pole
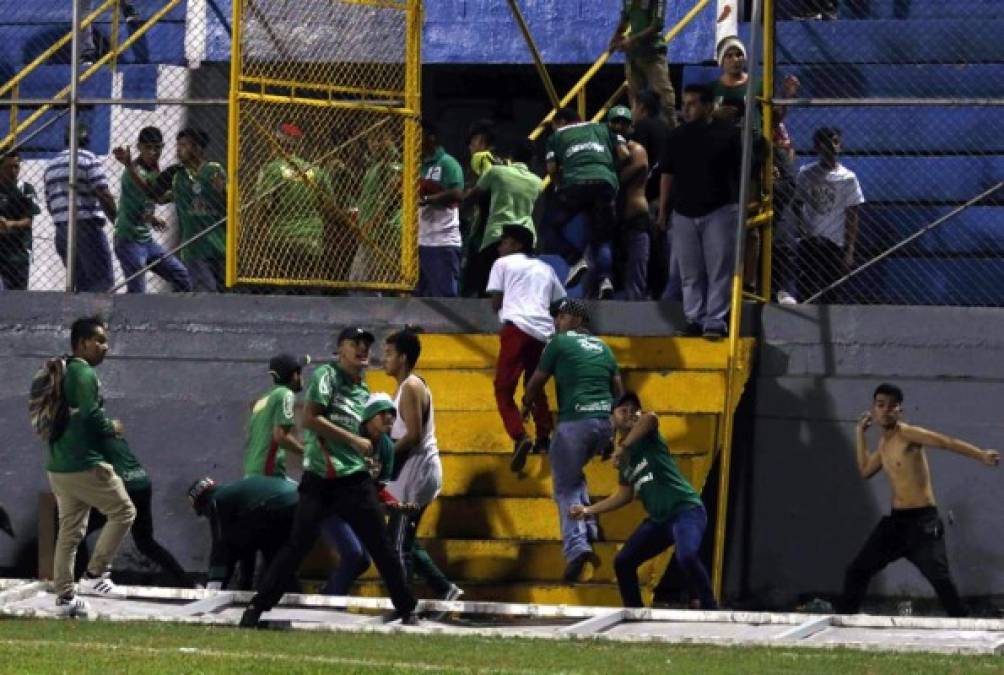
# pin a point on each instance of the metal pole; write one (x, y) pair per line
(233, 142)
(735, 315)
(71, 223)
(538, 61)
(767, 231)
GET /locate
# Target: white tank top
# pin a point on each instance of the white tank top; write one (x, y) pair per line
(427, 444)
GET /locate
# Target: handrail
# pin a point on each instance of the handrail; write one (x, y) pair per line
(95, 67)
(56, 46)
(602, 60)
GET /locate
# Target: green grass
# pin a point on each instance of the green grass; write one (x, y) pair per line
(79, 647)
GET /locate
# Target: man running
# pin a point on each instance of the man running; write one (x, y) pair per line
(272, 424)
(913, 530)
(588, 382)
(676, 514)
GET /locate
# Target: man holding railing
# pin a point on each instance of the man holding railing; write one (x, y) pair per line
(645, 51)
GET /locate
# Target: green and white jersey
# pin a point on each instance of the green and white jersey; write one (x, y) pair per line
(343, 400)
(643, 14)
(299, 192)
(583, 367)
(118, 453)
(263, 456)
(80, 446)
(199, 206)
(135, 206)
(584, 152)
(652, 472)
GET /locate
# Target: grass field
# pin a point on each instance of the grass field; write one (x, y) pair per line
(79, 647)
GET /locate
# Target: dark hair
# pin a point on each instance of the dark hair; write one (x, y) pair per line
(84, 328)
(405, 341)
(825, 135)
(649, 100)
(890, 390)
(704, 91)
(150, 135)
(567, 115)
(521, 151)
(13, 152)
(628, 398)
(483, 127)
(197, 136)
(429, 128)
(83, 136)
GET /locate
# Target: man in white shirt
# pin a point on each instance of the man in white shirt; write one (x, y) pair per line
(523, 290)
(827, 195)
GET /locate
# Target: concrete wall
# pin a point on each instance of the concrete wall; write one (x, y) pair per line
(802, 504)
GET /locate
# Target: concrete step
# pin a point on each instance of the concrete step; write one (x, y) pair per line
(487, 475)
(481, 431)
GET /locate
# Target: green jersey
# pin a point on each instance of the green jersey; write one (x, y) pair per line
(118, 453)
(584, 152)
(652, 472)
(514, 190)
(80, 446)
(298, 192)
(200, 206)
(383, 455)
(135, 207)
(583, 367)
(343, 400)
(643, 14)
(379, 212)
(17, 203)
(263, 456)
(736, 95)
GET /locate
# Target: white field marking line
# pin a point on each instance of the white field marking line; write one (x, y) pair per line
(246, 655)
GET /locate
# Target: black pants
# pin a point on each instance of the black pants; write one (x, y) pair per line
(595, 199)
(915, 534)
(13, 274)
(142, 536)
(477, 270)
(352, 498)
(259, 530)
(820, 263)
(403, 528)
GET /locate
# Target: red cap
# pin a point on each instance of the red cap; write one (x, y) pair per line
(291, 130)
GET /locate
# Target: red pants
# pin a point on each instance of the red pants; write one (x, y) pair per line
(519, 354)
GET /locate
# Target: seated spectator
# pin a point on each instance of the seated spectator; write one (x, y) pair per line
(512, 190)
(701, 168)
(439, 241)
(17, 209)
(634, 231)
(645, 52)
(825, 214)
(582, 161)
(93, 270)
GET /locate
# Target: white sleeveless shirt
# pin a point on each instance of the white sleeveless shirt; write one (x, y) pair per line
(427, 444)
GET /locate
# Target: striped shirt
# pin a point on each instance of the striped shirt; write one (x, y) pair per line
(90, 178)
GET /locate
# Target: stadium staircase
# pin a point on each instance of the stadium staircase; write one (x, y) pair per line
(915, 163)
(496, 533)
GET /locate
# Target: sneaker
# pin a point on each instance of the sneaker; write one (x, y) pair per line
(606, 289)
(575, 566)
(72, 606)
(250, 618)
(542, 445)
(453, 593)
(576, 272)
(87, 59)
(690, 330)
(786, 298)
(408, 619)
(519, 453)
(102, 585)
(714, 333)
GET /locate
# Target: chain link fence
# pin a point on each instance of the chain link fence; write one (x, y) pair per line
(888, 179)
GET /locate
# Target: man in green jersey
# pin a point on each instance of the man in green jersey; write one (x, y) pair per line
(80, 476)
(645, 52)
(676, 514)
(200, 198)
(135, 246)
(17, 210)
(247, 516)
(272, 424)
(378, 210)
(336, 479)
(588, 381)
(582, 159)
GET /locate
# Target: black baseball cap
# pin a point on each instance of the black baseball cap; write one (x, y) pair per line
(628, 398)
(151, 135)
(573, 307)
(282, 366)
(355, 333)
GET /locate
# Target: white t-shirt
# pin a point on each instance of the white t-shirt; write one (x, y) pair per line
(529, 287)
(439, 226)
(825, 195)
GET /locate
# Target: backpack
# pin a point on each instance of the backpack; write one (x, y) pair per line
(47, 407)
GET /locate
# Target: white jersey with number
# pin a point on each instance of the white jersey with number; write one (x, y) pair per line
(421, 477)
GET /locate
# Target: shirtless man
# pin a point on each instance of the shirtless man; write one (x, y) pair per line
(913, 530)
(632, 210)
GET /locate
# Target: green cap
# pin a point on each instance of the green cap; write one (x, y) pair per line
(376, 404)
(619, 112)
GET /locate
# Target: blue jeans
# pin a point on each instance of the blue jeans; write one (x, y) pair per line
(353, 560)
(135, 255)
(650, 539)
(573, 444)
(94, 256)
(438, 272)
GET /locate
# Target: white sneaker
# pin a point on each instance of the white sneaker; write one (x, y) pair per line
(576, 272)
(102, 585)
(606, 289)
(454, 593)
(786, 298)
(72, 606)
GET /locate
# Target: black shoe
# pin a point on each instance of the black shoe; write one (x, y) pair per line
(542, 445)
(690, 330)
(250, 618)
(715, 333)
(519, 452)
(606, 290)
(408, 619)
(576, 272)
(575, 566)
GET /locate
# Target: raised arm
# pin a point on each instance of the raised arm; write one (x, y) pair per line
(922, 436)
(869, 463)
(646, 424)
